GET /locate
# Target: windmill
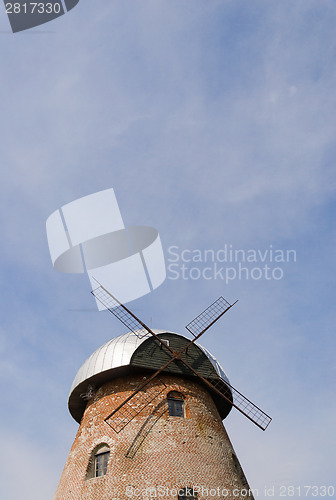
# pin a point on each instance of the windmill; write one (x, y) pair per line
(125, 412)
(150, 406)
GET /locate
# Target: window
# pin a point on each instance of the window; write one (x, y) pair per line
(175, 407)
(175, 404)
(161, 342)
(101, 459)
(187, 494)
(98, 461)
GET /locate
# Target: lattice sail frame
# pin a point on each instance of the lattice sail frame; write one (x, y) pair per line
(121, 416)
(209, 316)
(127, 412)
(244, 405)
(120, 311)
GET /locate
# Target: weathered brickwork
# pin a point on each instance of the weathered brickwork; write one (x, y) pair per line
(155, 453)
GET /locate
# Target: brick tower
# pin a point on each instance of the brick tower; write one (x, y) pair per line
(171, 444)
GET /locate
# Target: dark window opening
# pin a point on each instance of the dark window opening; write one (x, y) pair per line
(98, 461)
(175, 404)
(101, 460)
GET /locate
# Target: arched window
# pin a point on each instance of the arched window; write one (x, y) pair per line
(98, 461)
(101, 459)
(175, 404)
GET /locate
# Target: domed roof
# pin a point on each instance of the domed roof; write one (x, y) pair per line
(115, 355)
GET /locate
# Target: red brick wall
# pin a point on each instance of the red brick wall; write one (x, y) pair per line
(176, 453)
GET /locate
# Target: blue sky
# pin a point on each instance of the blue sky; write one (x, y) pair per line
(214, 122)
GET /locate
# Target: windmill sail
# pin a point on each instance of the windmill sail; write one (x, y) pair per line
(138, 400)
(121, 312)
(240, 402)
(129, 410)
(208, 317)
